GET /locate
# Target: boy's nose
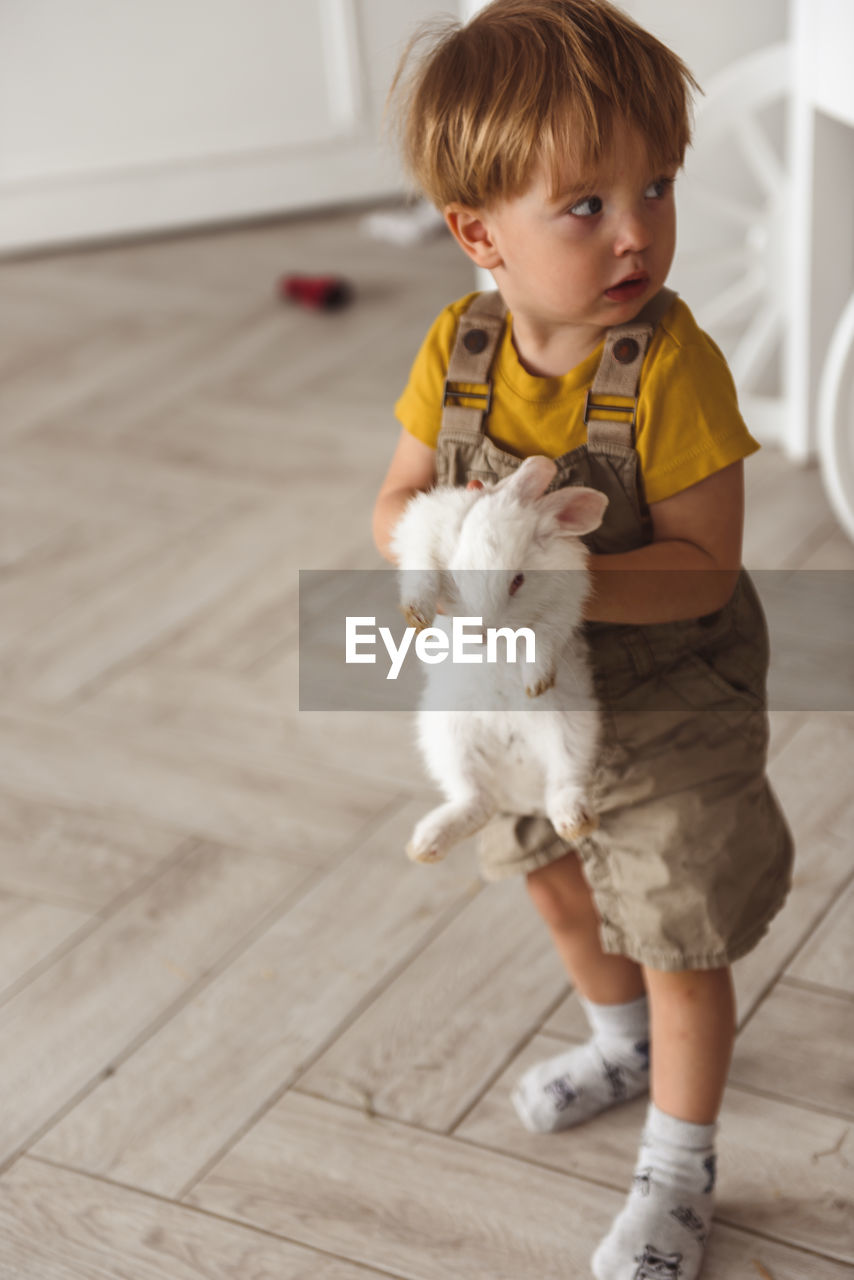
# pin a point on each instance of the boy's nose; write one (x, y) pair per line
(633, 234)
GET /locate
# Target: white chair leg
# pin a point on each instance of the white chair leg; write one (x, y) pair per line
(836, 420)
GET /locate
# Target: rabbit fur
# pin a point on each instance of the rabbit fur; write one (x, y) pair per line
(496, 749)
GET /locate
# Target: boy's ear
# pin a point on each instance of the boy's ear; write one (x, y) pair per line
(472, 234)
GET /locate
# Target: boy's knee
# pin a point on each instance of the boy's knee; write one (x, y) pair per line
(561, 894)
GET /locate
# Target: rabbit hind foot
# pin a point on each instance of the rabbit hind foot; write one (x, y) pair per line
(445, 826)
(572, 818)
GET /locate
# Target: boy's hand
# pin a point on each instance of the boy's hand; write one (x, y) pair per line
(690, 567)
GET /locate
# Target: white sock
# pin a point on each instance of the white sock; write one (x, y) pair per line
(662, 1230)
(611, 1067)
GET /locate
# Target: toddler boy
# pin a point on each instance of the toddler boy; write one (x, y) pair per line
(550, 132)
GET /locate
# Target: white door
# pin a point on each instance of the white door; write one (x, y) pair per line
(119, 117)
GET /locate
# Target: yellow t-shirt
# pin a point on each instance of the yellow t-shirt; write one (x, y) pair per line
(688, 421)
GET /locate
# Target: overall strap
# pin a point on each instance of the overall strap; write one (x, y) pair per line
(478, 336)
(618, 376)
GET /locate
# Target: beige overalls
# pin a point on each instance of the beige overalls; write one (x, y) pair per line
(693, 856)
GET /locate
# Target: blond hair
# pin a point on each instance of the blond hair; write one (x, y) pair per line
(527, 82)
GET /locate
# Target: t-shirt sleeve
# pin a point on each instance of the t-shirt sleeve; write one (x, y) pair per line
(419, 408)
(691, 426)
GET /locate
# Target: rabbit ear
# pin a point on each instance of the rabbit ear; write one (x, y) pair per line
(578, 510)
(530, 480)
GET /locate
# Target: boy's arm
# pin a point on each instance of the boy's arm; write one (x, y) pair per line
(691, 566)
(412, 468)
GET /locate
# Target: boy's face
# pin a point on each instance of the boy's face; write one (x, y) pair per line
(592, 256)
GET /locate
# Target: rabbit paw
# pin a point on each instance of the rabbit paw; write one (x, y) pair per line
(417, 852)
(540, 686)
(573, 819)
(446, 826)
(429, 841)
(415, 616)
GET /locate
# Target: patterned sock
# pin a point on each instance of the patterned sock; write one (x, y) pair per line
(611, 1067)
(662, 1231)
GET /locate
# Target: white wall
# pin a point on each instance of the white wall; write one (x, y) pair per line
(122, 116)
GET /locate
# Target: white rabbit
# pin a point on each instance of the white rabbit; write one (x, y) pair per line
(495, 553)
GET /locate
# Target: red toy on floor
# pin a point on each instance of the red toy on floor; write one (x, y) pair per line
(324, 293)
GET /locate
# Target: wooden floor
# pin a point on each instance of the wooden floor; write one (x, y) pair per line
(241, 1035)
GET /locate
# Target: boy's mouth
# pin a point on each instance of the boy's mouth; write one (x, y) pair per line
(632, 287)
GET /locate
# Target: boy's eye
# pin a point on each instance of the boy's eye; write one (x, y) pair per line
(659, 189)
(587, 207)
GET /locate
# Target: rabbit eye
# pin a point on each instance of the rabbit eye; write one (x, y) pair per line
(516, 583)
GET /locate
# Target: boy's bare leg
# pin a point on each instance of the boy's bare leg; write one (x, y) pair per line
(668, 1213)
(562, 896)
(693, 1032)
(613, 1066)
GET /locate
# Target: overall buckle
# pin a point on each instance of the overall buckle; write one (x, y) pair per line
(456, 391)
(610, 409)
